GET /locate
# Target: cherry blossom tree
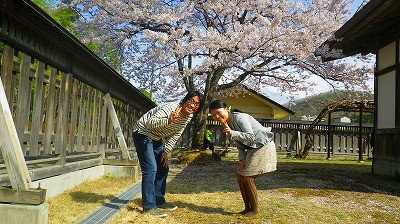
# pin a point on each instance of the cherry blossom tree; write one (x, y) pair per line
(173, 46)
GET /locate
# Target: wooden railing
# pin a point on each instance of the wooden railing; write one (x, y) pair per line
(289, 137)
(55, 88)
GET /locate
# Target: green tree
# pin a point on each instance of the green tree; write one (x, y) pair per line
(62, 15)
(148, 95)
(67, 16)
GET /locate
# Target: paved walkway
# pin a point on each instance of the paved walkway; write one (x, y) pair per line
(109, 209)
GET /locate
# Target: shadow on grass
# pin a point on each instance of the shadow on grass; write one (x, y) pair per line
(201, 209)
(217, 176)
(137, 206)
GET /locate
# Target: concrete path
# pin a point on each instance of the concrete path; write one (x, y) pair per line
(109, 209)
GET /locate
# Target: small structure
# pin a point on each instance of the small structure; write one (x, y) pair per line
(308, 118)
(375, 29)
(342, 119)
(360, 106)
(258, 105)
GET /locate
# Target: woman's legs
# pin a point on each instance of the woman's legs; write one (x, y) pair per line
(244, 193)
(251, 192)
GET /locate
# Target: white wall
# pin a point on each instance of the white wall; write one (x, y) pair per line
(387, 56)
(386, 100)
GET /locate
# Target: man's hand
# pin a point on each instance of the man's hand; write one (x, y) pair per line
(164, 159)
(175, 115)
(241, 165)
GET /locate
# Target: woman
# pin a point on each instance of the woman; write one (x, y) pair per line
(257, 153)
(160, 126)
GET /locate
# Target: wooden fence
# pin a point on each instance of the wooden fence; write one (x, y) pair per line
(55, 88)
(289, 137)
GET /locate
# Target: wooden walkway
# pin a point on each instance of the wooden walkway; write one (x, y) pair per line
(109, 209)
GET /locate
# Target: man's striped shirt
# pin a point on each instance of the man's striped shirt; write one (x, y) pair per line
(154, 124)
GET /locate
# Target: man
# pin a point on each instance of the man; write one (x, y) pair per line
(155, 135)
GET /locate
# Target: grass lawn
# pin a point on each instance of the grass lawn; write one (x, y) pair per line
(314, 190)
(76, 203)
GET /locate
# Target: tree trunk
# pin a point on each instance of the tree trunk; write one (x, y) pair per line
(199, 126)
(200, 118)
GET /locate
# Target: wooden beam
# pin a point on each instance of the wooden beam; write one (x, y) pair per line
(6, 70)
(119, 162)
(28, 197)
(10, 147)
(117, 128)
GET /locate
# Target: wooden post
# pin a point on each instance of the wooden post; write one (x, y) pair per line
(63, 111)
(298, 141)
(74, 115)
(50, 109)
(103, 132)
(88, 119)
(94, 122)
(117, 128)
(24, 95)
(329, 136)
(82, 120)
(360, 142)
(10, 147)
(37, 112)
(6, 72)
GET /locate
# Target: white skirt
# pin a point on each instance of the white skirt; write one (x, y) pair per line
(259, 161)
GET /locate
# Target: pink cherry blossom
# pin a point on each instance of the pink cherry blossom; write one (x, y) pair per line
(175, 46)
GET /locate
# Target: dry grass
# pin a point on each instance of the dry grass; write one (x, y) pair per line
(194, 158)
(301, 191)
(75, 204)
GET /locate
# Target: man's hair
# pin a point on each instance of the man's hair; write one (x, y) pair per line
(190, 95)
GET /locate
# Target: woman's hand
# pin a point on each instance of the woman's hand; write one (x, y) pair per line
(241, 165)
(164, 159)
(175, 115)
(227, 129)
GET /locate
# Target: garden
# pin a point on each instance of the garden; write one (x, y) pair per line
(313, 190)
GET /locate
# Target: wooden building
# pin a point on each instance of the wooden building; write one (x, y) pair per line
(258, 105)
(59, 107)
(376, 29)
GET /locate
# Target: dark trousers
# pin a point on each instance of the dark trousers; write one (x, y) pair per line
(208, 144)
(154, 174)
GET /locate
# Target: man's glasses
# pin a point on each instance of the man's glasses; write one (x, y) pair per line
(194, 102)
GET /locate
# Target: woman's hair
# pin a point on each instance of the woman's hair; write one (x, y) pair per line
(190, 95)
(216, 104)
(237, 111)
